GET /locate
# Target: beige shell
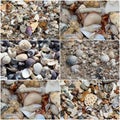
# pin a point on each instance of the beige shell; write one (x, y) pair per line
(111, 54)
(90, 99)
(21, 57)
(5, 59)
(12, 53)
(114, 17)
(32, 98)
(92, 18)
(55, 98)
(25, 45)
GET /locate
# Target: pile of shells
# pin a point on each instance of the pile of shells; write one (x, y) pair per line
(30, 59)
(91, 20)
(30, 100)
(28, 19)
(90, 99)
(91, 59)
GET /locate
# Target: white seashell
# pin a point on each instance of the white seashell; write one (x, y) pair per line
(45, 48)
(39, 117)
(32, 98)
(21, 57)
(36, 17)
(3, 71)
(104, 58)
(92, 18)
(55, 98)
(52, 86)
(92, 28)
(37, 67)
(112, 6)
(5, 59)
(75, 68)
(54, 110)
(94, 64)
(31, 108)
(112, 93)
(52, 62)
(2, 105)
(25, 45)
(26, 73)
(28, 114)
(99, 37)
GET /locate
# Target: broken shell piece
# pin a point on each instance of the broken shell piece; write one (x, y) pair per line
(55, 98)
(26, 73)
(90, 99)
(75, 68)
(92, 18)
(32, 98)
(21, 57)
(25, 45)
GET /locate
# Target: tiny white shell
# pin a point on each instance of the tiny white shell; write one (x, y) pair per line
(26, 73)
(37, 67)
(104, 58)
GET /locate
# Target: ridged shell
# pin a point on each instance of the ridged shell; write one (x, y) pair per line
(25, 45)
(6, 59)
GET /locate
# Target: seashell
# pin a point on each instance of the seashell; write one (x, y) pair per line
(54, 75)
(115, 102)
(29, 62)
(52, 86)
(90, 99)
(37, 67)
(21, 57)
(55, 98)
(104, 58)
(114, 17)
(113, 62)
(52, 62)
(92, 28)
(26, 73)
(45, 48)
(5, 95)
(25, 45)
(92, 3)
(32, 98)
(31, 108)
(114, 30)
(111, 54)
(94, 64)
(112, 6)
(79, 53)
(83, 86)
(71, 60)
(39, 117)
(31, 53)
(75, 68)
(99, 37)
(28, 114)
(54, 110)
(29, 30)
(5, 59)
(92, 18)
(3, 71)
(11, 52)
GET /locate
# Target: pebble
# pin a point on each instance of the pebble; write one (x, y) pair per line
(104, 58)
(71, 60)
(37, 68)
(23, 28)
(26, 73)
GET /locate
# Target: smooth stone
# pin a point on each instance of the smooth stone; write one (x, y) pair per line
(71, 60)
(21, 57)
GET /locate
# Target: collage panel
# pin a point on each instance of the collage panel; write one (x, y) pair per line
(28, 100)
(90, 19)
(27, 60)
(90, 59)
(90, 99)
(28, 19)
